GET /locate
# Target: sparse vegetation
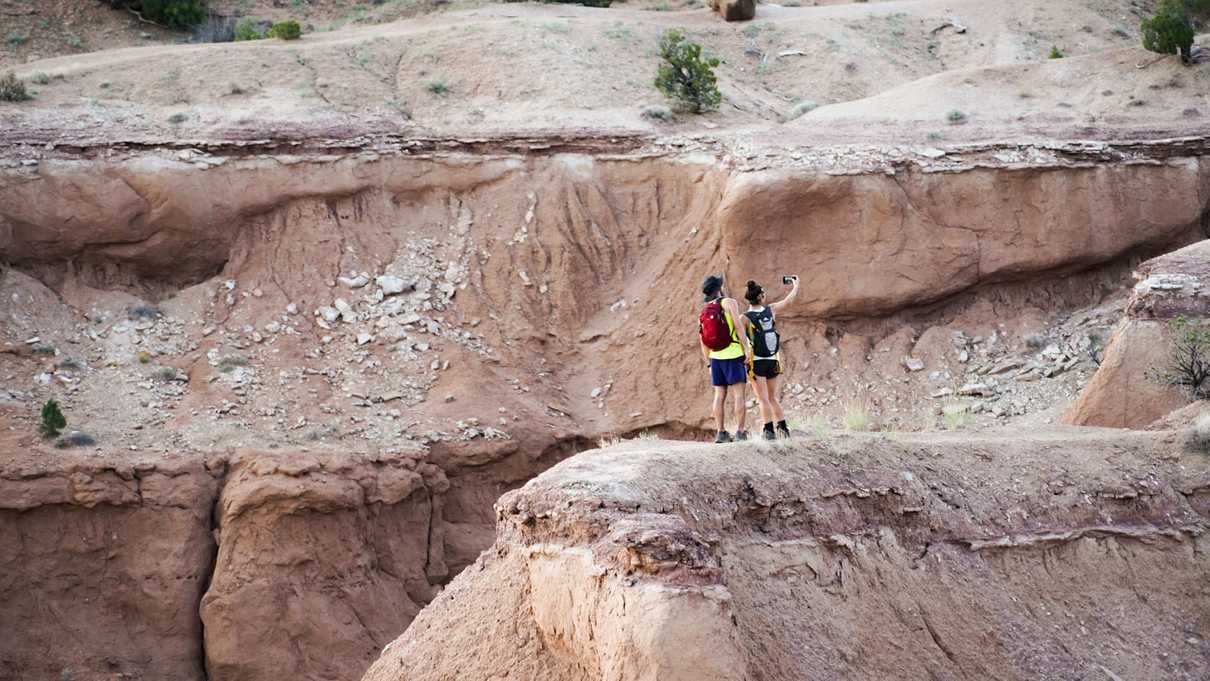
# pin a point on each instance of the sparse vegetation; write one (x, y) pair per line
(166, 373)
(16, 39)
(40, 78)
(1197, 436)
(43, 349)
(228, 364)
(437, 87)
(856, 417)
(802, 107)
(75, 439)
(1169, 30)
(177, 118)
(957, 416)
(143, 312)
(12, 89)
(1035, 341)
(1055, 52)
(685, 75)
(248, 28)
(1188, 365)
(176, 14)
(70, 364)
(285, 30)
(53, 421)
(656, 112)
(144, 357)
(955, 117)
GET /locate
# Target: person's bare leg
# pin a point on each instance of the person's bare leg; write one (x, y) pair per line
(759, 387)
(720, 398)
(774, 403)
(741, 408)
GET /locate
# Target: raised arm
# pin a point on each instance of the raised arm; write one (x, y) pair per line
(777, 307)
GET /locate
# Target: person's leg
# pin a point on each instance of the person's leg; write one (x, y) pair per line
(720, 398)
(740, 398)
(775, 410)
(759, 387)
(775, 407)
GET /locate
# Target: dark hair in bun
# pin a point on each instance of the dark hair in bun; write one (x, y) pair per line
(754, 292)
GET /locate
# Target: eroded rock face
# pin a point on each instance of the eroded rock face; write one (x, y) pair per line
(319, 564)
(286, 564)
(1125, 392)
(862, 558)
(101, 570)
(735, 10)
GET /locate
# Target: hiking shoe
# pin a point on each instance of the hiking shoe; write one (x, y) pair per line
(768, 434)
(723, 436)
(741, 435)
(784, 432)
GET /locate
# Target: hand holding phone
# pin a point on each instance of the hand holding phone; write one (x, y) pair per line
(789, 279)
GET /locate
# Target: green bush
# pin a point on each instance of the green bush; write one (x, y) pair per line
(248, 29)
(53, 421)
(1169, 31)
(1055, 52)
(179, 14)
(12, 90)
(685, 76)
(286, 30)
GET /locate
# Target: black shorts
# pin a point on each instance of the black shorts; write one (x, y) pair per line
(766, 368)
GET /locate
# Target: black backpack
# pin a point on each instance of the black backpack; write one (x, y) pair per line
(765, 340)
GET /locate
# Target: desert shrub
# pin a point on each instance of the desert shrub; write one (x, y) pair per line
(1036, 341)
(144, 357)
(40, 78)
(16, 39)
(1197, 436)
(166, 373)
(53, 421)
(957, 416)
(70, 364)
(248, 29)
(1168, 31)
(437, 87)
(656, 112)
(75, 439)
(856, 416)
(11, 89)
(43, 349)
(1055, 52)
(685, 75)
(215, 29)
(285, 30)
(1188, 364)
(143, 312)
(803, 107)
(228, 364)
(178, 14)
(177, 118)
(955, 117)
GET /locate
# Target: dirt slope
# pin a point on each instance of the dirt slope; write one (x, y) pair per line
(868, 558)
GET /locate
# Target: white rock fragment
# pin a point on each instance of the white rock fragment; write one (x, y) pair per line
(328, 314)
(356, 281)
(363, 338)
(291, 309)
(346, 310)
(913, 364)
(391, 285)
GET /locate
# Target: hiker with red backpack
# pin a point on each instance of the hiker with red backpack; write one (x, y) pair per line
(726, 350)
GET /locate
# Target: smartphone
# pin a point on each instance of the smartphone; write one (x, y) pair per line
(788, 279)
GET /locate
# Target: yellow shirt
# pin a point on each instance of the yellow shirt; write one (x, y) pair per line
(731, 351)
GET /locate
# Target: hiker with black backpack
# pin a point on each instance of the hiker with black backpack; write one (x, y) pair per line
(726, 350)
(760, 326)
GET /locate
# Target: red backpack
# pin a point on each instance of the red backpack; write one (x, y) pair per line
(713, 328)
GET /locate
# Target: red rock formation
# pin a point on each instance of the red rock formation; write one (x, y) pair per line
(1125, 391)
(858, 558)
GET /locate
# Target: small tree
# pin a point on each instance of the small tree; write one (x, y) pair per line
(12, 89)
(685, 76)
(53, 421)
(1188, 364)
(1169, 31)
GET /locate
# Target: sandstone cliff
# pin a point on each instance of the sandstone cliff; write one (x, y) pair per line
(1042, 556)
